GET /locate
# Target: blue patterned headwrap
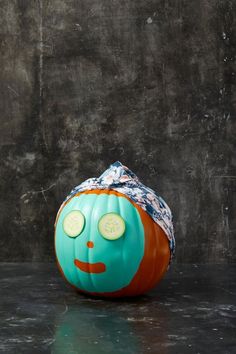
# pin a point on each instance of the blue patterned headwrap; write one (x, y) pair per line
(120, 178)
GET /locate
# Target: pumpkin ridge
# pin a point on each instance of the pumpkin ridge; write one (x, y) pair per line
(156, 252)
(118, 205)
(88, 251)
(76, 250)
(138, 273)
(121, 211)
(152, 259)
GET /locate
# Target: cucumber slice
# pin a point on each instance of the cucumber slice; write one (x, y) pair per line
(111, 226)
(73, 223)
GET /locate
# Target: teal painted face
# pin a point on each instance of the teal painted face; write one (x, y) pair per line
(90, 261)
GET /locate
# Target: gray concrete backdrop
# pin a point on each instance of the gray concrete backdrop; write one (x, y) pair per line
(150, 83)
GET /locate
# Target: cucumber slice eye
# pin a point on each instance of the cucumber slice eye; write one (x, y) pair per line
(111, 226)
(73, 223)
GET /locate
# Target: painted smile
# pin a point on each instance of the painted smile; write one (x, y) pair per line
(90, 267)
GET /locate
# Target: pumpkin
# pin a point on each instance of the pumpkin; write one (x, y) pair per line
(107, 245)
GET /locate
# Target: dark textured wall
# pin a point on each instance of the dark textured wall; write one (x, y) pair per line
(150, 83)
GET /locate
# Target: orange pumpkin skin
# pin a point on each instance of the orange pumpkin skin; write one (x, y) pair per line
(155, 260)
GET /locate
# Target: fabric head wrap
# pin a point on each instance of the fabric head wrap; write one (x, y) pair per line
(120, 178)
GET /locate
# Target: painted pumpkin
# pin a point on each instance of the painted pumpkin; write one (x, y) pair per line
(107, 245)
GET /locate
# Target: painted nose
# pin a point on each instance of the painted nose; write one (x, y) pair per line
(90, 244)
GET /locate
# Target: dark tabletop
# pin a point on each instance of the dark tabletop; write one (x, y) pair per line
(193, 310)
